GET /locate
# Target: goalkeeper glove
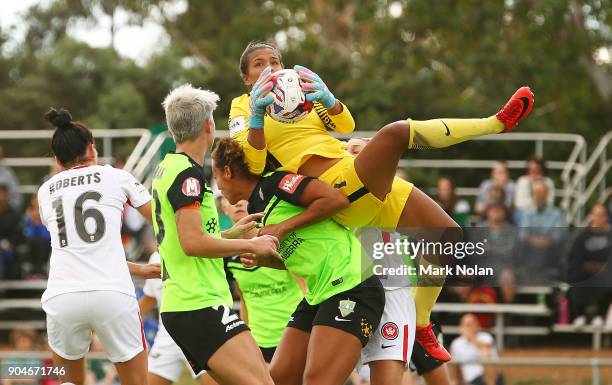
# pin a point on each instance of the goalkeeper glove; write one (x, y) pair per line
(314, 87)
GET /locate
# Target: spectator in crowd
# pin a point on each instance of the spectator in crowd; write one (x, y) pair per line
(589, 269)
(474, 344)
(9, 236)
(22, 340)
(447, 198)
(500, 180)
(9, 179)
(38, 240)
(496, 196)
(536, 171)
(542, 231)
(500, 248)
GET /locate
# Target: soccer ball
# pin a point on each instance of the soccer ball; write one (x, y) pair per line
(289, 105)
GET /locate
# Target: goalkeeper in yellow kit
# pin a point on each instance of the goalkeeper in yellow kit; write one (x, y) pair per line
(378, 198)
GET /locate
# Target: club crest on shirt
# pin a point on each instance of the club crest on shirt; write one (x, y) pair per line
(346, 307)
(191, 187)
(290, 182)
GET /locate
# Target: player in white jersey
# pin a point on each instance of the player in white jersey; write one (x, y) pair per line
(166, 360)
(89, 287)
(389, 349)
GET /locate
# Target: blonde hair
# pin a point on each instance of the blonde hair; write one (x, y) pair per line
(187, 108)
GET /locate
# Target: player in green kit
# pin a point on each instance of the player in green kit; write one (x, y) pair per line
(342, 306)
(196, 300)
(267, 296)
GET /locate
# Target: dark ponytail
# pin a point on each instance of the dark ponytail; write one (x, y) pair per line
(70, 139)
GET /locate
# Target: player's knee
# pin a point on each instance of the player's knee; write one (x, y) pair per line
(398, 131)
(283, 375)
(312, 378)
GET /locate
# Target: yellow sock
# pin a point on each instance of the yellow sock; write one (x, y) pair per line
(439, 133)
(424, 299)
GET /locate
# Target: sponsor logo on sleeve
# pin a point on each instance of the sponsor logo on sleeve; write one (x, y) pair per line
(290, 182)
(191, 187)
(236, 126)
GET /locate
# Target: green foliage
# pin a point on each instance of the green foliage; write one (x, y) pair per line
(443, 58)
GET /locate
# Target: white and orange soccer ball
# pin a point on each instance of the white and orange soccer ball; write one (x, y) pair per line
(290, 104)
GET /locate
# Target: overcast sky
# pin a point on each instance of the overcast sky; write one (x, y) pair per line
(137, 43)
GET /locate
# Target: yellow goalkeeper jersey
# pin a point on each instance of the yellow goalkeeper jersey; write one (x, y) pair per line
(290, 145)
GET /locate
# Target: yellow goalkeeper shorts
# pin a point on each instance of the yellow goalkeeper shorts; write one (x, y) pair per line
(366, 209)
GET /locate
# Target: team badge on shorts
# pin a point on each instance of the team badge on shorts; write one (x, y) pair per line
(346, 307)
(366, 328)
(389, 331)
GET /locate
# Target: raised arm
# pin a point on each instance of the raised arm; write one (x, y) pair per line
(246, 121)
(195, 243)
(252, 141)
(320, 200)
(332, 112)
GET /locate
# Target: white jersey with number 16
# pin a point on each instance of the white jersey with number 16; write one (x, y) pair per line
(82, 209)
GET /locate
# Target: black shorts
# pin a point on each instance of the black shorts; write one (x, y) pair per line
(200, 333)
(356, 311)
(420, 361)
(268, 353)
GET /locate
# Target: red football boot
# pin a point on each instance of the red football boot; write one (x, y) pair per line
(517, 108)
(428, 340)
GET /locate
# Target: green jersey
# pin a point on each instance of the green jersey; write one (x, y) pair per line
(189, 282)
(270, 296)
(326, 255)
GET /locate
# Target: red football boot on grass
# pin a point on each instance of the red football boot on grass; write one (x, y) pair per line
(517, 108)
(428, 340)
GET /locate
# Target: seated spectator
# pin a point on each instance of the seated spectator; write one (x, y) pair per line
(523, 197)
(9, 179)
(496, 196)
(22, 340)
(589, 269)
(474, 344)
(500, 249)
(9, 236)
(481, 294)
(446, 197)
(542, 231)
(38, 240)
(500, 180)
